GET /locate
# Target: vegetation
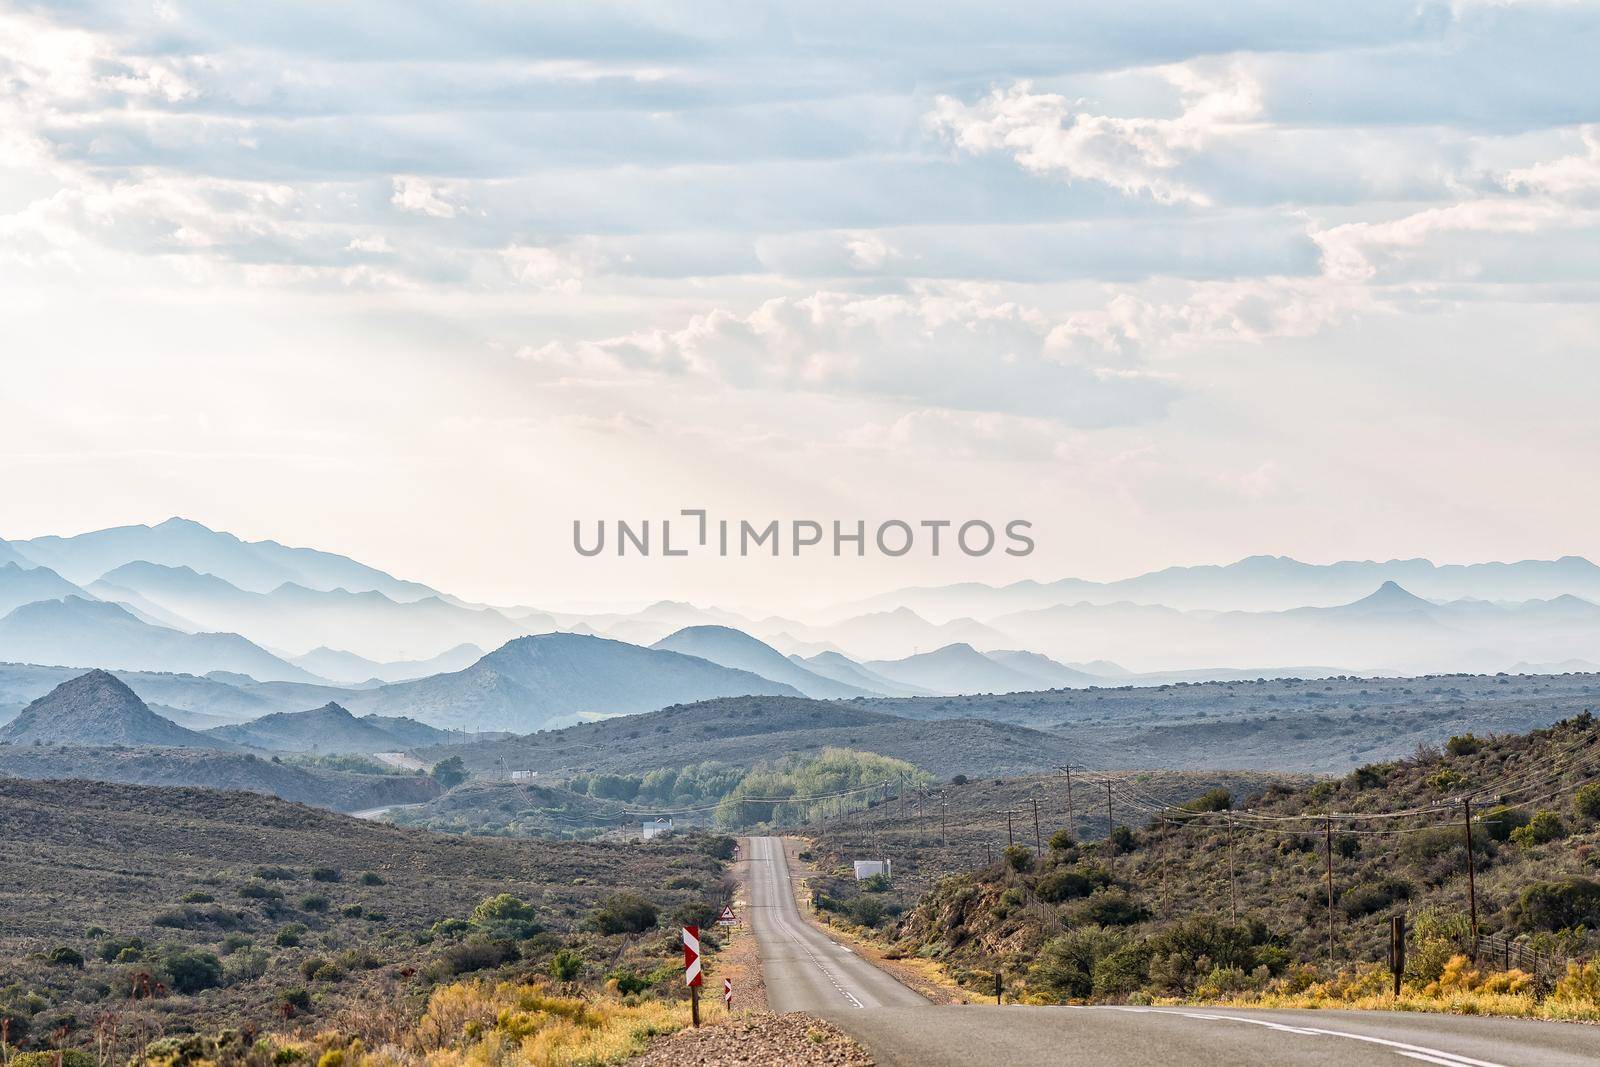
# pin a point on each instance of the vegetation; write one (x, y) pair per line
(800, 788)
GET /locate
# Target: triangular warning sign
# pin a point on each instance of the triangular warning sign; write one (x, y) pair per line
(727, 918)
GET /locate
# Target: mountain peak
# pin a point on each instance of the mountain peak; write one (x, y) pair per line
(97, 708)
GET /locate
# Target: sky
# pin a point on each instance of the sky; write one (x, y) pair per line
(424, 283)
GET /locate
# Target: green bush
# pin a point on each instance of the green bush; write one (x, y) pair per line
(1586, 801)
(476, 955)
(450, 773)
(1499, 822)
(1541, 829)
(1218, 799)
(504, 916)
(566, 965)
(1123, 839)
(1109, 907)
(198, 897)
(314, 902)
(866, 911)
(624, 913)
(113, 948)
(259, 891)
(1063, 841)
(325, 874)
(1558, 905)
(1369, 898)
(66, 956)
(1064, 883)
(371, 878)
(70, 1057)
(1463, 744)
(1017, 857)
(1064, 967)
(190, 970)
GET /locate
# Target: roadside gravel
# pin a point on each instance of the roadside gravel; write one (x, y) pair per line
(794, 1040)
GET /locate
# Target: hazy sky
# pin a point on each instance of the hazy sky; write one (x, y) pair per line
(424, 282)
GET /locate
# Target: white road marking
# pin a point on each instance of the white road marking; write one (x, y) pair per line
(1414, 1052)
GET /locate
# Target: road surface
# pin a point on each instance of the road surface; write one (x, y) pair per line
(805, 970)
(372, 814)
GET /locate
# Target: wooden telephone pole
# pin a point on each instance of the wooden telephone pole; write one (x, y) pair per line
(1327, 832)
(1038, 841)
(1472, 874)
(1233, 879)
(1111, 849)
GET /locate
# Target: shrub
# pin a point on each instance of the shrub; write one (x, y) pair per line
(1063, 841)
(259, 891)
(1445, 780)
(309, 965)
(298, 999)
(878, 883)
(1463, 744)
(1586, 801)
(314, 902)
(113, 948)
(476, 955)
(66, 956)
(1499, 822)
(450, 773)
(566, 965)
(289, 935)
(1123, 839)
(719, 847)
(371, 878)
(629, 982)
(1218, 799)
(505, 916)
(325, 874)
(1541, 829)
(1065, 965)
(1559, 904)
(1017, 857)
(959, 779)
(866, 911)
(1063, 883)
(624, 913)
(1368, 898)
(198, 897)
(1109, 907)
(190, 970)
(275, 874)
(70, 1057)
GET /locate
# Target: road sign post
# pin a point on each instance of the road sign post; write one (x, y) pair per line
(727, 993)
(691, 970)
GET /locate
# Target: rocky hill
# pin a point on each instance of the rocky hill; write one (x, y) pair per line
(330, 728)
(97, 708)
(737, 649)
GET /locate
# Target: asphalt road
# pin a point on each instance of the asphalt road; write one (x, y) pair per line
(807, 971)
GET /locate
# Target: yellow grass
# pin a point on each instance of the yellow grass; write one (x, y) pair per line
(1460, 990)
(477, 1024)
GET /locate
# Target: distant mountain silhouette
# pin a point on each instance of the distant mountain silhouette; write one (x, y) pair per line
(842, 668)
(330, 728)
(737, 649)
(10, 554)
(259, 566)
(532, 682)
(348, 668)
(1049, 673)
(955, 669)
(98, 709)
(24, 585)
(77, 632)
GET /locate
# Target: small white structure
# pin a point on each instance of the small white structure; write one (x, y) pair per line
(872, 868)
(652, 827)
(523, 776)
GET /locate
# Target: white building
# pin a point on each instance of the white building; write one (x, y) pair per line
(872, 868)
(651, 827)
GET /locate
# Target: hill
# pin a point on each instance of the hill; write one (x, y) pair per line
(86, 633)
(329, 728)
(535, 681)
(741, 731)
(246, 900)
(956, 670)
(737, 649)
(319, 787)
(347, 668)
(98, 709)
(1242, 882)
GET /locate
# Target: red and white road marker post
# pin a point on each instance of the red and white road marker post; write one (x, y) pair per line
(691, 970)
(727, 993)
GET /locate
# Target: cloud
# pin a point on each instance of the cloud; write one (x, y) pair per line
(957, 350)
(1048, 134)
(421, 197)
(1568, 176)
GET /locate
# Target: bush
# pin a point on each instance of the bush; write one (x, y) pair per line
(113, 948)
(1123, 839)
(289, 936)
(450, 773)
(719, 847)
(259, 891)
(1586, 802)
(1463, 744)
(505, 916)
(325, 874)
(371, 878)
(1109, 907)
(625, 913)
(1499, 822)
(1368, 898)
(476, 955)
(314, 902)
(198, 897)
(1558, 905)
(566, 965)
(866, 911)
(1017, 857)
(275, 874)
(1541, 829)
(1063, 883)
(1218, 799)
(71, 1057)
(1065, 965)
(66, 956)
(190, 970)
(1063, 841)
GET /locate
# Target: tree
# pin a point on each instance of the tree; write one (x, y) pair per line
(450, 773)
(505, 916)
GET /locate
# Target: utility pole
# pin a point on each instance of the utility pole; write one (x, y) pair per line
(1472, 874)
(1327, 833)
(1233, 879)
(1038, 844)
(1110, 848)
(944, 825)
(1069, 799)
(1009, 839)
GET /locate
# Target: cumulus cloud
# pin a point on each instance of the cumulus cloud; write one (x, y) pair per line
(422, 197)
(1049, 134)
